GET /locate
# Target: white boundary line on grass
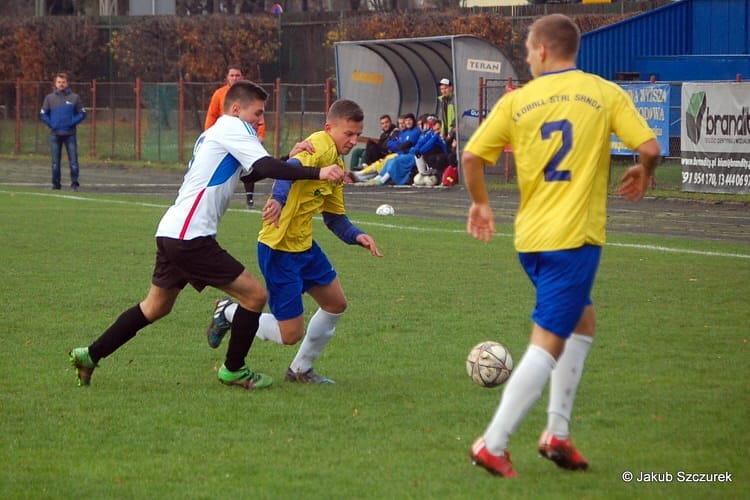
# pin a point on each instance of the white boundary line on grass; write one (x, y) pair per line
(656, 248)
(635, 246)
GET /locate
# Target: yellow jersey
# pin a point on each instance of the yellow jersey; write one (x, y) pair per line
(306, 198)
(559, 125)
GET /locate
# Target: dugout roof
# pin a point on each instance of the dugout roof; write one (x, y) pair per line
(401, 76)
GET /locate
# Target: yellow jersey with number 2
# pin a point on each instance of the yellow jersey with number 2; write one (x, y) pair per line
(559, 125)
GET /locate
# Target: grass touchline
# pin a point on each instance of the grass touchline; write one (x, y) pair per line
(657, 248)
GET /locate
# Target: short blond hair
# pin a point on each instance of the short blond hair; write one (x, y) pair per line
(347, 110)
(558, 33)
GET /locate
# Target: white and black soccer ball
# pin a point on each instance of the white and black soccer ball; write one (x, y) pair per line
(385, 209)
(489, 363)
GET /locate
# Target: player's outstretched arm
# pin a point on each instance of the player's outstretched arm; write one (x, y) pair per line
(480, 223)
(332, 173)
(368, 242)
(271, 168)
(342, 227)
(635, 180)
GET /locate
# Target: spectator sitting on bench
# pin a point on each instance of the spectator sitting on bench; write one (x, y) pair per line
(431, 154)
(375, 150)
(402, 169)
(399, 144)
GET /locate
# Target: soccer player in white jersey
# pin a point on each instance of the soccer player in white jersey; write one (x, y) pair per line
(187, 250)
(559, 125)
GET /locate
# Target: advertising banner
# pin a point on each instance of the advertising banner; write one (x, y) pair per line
(715, 137)
(652, 101)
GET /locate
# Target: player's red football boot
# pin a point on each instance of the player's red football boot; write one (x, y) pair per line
(562, 452)
(495, 464)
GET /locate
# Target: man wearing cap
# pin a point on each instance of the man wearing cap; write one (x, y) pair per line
(446, 109)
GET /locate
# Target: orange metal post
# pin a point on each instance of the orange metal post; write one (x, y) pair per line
(481, 99)
(328, 91)
(277, 118)
(480, 112)
(138, 119)
(18, 116)
(180, 121)
(92, 141)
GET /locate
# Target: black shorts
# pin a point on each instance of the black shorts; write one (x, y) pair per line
(200, 262)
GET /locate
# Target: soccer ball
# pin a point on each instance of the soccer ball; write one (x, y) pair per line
(489, 364)
(385, 210)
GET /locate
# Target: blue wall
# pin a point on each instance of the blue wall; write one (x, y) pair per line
(690, 68)
(657, 41)
(720, 27)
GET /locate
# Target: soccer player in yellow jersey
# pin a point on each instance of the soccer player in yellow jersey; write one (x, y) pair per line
(559, 125)
(292, 263)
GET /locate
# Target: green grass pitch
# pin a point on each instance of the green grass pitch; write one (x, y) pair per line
(666, 388)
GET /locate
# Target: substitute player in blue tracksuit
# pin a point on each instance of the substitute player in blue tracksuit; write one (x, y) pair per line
(62, 111)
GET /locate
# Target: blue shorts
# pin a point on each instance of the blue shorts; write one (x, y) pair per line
(290, 274)
(563, 280)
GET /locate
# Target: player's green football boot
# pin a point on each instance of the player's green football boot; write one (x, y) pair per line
(82, 364)
(244, 378)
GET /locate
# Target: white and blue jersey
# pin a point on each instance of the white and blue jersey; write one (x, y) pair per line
(221, 154)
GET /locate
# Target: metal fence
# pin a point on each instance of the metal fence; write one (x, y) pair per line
(152, 122)
(159, 122)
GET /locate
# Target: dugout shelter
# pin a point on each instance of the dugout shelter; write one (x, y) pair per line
(402, 76)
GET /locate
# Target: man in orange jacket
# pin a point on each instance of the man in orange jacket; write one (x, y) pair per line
(216, 109)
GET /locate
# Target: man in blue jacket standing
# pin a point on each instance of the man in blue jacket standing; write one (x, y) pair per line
(62, 112)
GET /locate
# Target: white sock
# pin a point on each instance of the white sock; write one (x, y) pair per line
(229, 311)
(319, 331)
(524, 388)
(422, 166)
(564, 383)
(364, 176)
(268, 329)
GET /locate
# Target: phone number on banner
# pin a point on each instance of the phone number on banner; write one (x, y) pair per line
(716, 179)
